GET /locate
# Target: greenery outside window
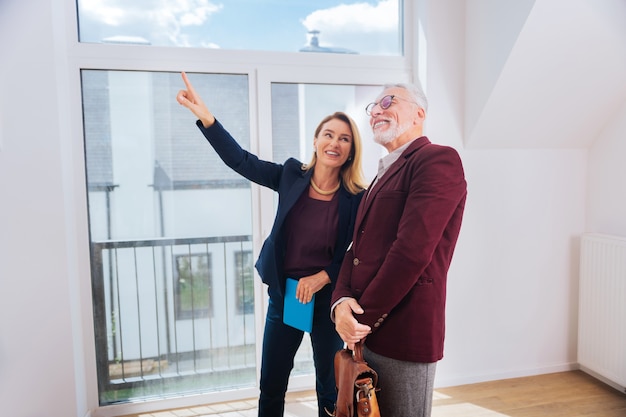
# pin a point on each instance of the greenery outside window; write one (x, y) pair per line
(193, 286)
(244, 282)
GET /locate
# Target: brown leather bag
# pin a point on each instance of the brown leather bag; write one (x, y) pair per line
(356, 385)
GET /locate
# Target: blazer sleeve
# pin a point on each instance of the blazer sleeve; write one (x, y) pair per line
(248, 165)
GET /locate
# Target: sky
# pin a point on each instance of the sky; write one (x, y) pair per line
(362, 26)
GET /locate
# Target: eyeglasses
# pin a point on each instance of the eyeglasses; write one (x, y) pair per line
(384, 103)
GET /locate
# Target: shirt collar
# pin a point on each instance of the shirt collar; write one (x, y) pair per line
(386, 161)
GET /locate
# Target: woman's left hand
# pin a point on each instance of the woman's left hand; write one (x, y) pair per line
(191, 99)
(308, 286)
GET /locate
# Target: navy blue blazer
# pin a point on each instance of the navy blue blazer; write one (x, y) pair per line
(290, 181)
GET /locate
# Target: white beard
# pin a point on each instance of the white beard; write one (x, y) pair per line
(389, 135)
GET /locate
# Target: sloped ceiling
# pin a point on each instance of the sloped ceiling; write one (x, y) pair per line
(544, 73)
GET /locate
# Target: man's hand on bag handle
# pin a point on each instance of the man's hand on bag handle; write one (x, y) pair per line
(348, 327)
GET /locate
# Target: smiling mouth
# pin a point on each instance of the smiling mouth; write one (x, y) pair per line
(379, 123)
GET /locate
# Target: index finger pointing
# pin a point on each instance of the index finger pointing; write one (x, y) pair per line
(186, 81)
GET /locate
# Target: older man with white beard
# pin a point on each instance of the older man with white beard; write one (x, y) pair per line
(391, 290)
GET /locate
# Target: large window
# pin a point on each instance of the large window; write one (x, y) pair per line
(178, 308)
(171, 227)
(368, 27)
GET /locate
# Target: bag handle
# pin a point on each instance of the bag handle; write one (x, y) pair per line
(357, 352)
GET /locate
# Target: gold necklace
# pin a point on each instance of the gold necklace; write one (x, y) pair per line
(322, 192)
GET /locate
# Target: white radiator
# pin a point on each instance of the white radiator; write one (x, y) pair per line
(602, 308)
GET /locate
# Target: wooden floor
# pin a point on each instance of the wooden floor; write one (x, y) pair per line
(563, 394)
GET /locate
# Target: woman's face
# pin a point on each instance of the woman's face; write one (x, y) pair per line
(333, 144)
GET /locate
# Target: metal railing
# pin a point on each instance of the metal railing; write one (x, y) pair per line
(173, 315)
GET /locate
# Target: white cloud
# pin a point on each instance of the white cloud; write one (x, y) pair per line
(190, 12)
(163, 18)
(360, 27)
(180, 14)
(103, 10)
(357, 18)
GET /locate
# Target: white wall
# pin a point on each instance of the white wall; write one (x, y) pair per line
(606, 206)
(512, 294)
(513, 284)
(41, 359)
(492, 28)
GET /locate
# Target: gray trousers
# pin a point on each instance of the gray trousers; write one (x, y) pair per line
(406, 388)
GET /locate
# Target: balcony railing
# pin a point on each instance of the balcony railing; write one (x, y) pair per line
(173, 316)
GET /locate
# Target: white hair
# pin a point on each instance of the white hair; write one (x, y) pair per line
(415, 92)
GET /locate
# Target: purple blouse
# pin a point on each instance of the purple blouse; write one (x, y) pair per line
(311, 232)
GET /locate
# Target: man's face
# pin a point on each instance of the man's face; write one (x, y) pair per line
(392, 117)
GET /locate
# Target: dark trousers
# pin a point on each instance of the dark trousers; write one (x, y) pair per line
(280, 344)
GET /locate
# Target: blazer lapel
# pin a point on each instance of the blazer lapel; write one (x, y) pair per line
(371, 193)
(391, 172)
(295, 191)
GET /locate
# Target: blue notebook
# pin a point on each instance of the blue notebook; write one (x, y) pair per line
(295, 313)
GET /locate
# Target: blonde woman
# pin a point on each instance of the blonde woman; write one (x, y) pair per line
(312, 230)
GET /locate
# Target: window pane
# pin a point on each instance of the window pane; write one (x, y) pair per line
(169, 223)
(367, 27)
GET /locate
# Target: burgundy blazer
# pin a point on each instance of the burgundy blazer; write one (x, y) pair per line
(404, 237)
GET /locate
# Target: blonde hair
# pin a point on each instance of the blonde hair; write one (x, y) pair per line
(351, 171)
